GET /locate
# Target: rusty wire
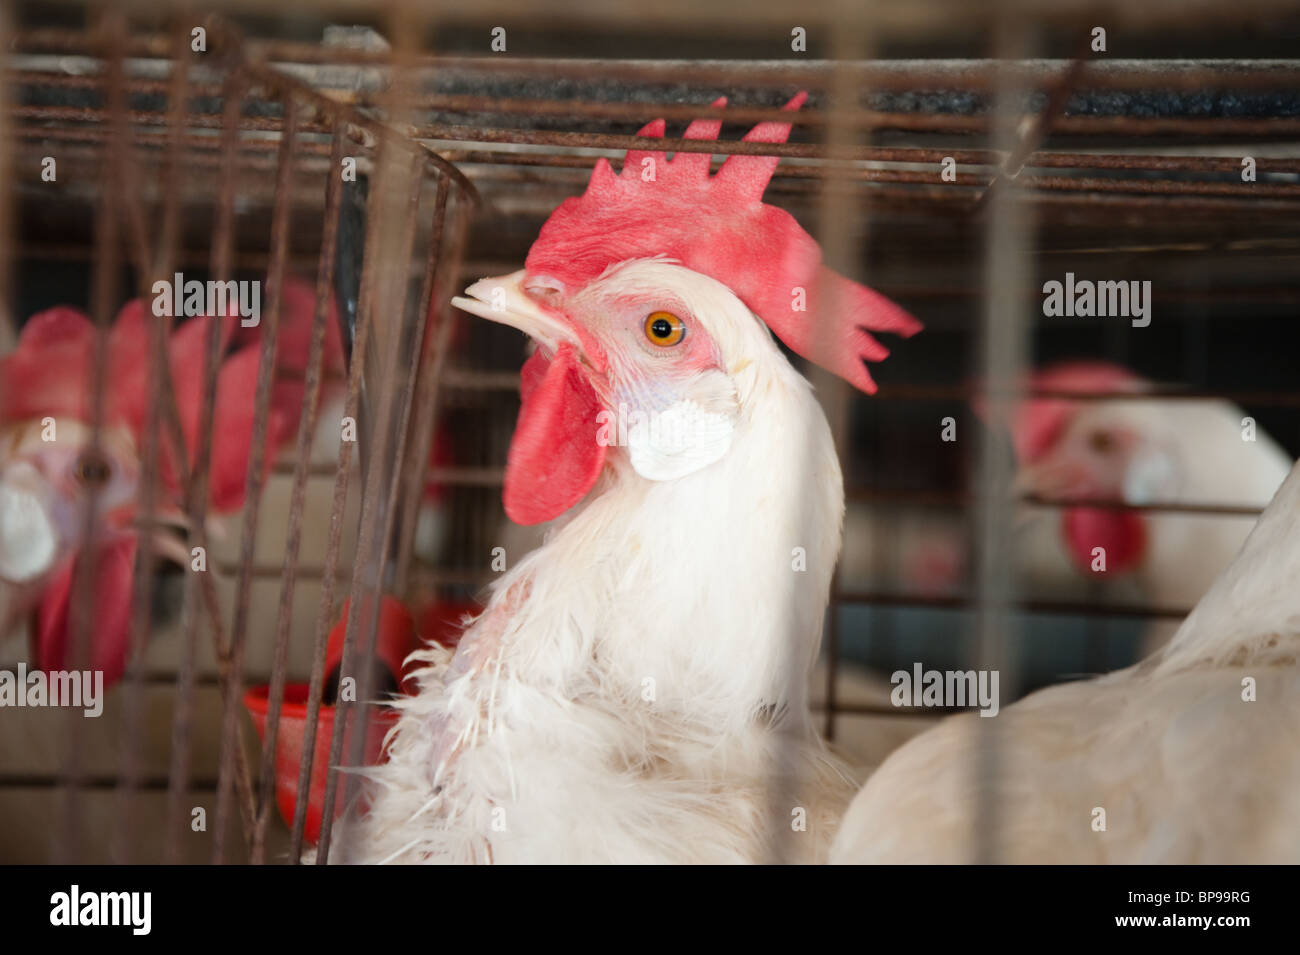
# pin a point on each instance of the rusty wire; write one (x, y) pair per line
(67, 837)
(398, 195)
(293, 539)
(158, 374)
(351, 409)
(256, 475)
(200, 586)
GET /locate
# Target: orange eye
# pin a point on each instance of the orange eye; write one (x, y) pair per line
(92, 470)
(664, 329)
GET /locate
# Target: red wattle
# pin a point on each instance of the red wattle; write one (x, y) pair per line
(109, 643)
(554, 456)
(1123, 534)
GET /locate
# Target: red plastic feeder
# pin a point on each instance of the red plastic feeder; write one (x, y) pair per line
(395, 640)
(289, 746)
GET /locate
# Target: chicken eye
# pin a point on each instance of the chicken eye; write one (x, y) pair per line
(92, 470)
(1101, 441)
(664, 328)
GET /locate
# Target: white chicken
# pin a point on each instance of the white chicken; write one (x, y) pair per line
(1187, 757)
(1135, 452)
(636, 690)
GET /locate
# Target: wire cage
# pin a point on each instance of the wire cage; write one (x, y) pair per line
(175, 166)
(378, 175)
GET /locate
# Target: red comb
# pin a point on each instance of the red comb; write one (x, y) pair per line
(720, 227)
(1038, 422)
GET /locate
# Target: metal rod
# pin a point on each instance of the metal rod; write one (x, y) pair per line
(199, 586)
(378, 509)
(68, 835)
(8, 324)
(420, 436)
(324, 293)
(157, 375)
(360, 350)
(257, 455)
(1062, 607)
(297, 502)
(1002, 366)
(1037, 128)
(1141, 160)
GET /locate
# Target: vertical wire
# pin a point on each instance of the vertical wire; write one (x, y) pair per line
(383, 469)
(8, 218)
(837, 208)
(342, 476)
(324, 291)
(1002, 365)
(834, 222)
(199, 587)
(280, 216)
(426, 398)
(297, 502)
(378, 500)
(111, 29)
(157, 373)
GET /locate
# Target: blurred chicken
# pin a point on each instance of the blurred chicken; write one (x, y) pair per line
(636, 689)
(48, 467)
(1134, 452)
(1188, 757)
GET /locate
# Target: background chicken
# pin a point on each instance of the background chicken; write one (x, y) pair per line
(1138, 452)
(1129, 452)
(48, 470)
(637, 687)
(1190, 756)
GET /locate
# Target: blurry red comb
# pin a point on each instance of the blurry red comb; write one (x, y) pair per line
(1036, 423)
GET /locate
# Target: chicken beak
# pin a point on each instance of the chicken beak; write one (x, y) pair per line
(29, 538)
(1027, 481)
(503, 300)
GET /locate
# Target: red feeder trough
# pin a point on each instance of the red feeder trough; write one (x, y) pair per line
(396, 639)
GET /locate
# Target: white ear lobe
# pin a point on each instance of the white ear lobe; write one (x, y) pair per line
(29, 543)
(679, 440)
(1151, 476)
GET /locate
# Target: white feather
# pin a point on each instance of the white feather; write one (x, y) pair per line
(679, 440)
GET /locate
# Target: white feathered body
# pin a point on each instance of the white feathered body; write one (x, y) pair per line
(636, 689)
(1194, 754)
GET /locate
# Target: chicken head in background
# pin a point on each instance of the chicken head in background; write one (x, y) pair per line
(1141, 451)
(49, 468)
(636, 689)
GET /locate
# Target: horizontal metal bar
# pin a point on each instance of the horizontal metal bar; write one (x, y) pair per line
(1062, 607)
(898, 74)
(962, 393)
(49, 781)
(962, 499)
(876, 709)
(1269, 128)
